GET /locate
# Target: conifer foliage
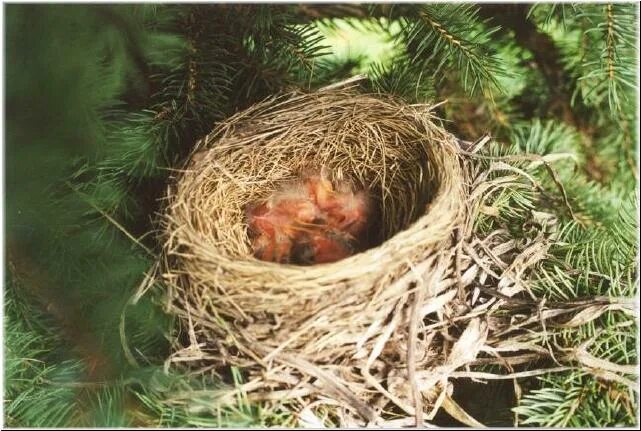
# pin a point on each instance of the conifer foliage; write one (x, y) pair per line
(102, 101)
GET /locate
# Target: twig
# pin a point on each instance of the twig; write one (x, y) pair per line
(346, 83)
(111, 219)
(308, 368)
(411, 353)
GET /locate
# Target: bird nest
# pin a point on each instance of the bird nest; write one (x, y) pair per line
(379, 335)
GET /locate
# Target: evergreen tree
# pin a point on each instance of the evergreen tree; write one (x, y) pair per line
(103, 100)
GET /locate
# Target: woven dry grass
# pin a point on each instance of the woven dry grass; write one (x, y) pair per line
(380, 335)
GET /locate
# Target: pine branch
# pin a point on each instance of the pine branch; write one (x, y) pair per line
(453, 35)
(404, 79)
(612, 75)
(585, 260)
(562, 104)
(546, 54)
(550, 11)
(582, 400)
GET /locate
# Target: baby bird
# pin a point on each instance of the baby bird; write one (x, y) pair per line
(330, 246)
(276, 224)
(309, 222)
(345, 210)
